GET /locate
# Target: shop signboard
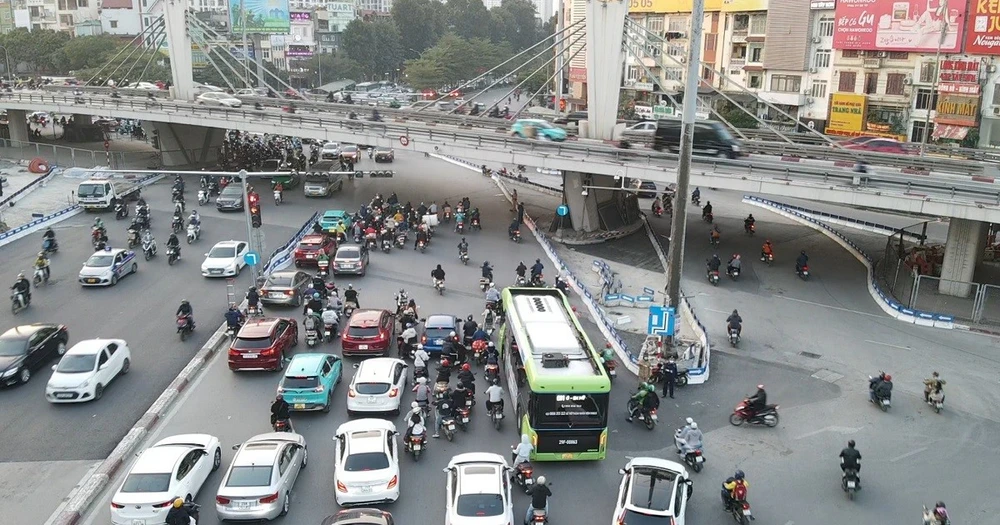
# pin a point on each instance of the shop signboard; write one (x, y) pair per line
(847, 113)
(893, 25)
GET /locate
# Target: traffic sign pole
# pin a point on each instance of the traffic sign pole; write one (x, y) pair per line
(246, 215)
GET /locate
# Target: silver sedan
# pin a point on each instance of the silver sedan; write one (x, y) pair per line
(259, 482)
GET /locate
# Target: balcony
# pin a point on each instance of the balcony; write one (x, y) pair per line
(782, 98)
(739, 36)
(872, 63)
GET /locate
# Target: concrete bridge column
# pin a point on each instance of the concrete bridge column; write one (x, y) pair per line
(962, 251)
(83, 120)
(184, 145)
(17, 123)
(604, 207)
(179, 48)
(605, 30)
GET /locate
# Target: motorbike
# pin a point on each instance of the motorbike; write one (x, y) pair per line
(516, 236)
(539, 516)
(694, 459)
(172, 255)
(184, 326)
(523, 474)
(231, 331)
(850, 483)
(17, 302)
(611, 368)
(936, 401)
(133, 238)
(193, 233)
(50, 246)
(39, 277)
(415, 445)
(312, 337)
(489, 321)
(464, 257)
(658, 211)
(121, 210)
(255, 311)
(484, 283)
(386, 245)
(708, 217)
(323, 267)
(149, 249)
(421, 245)
(475, 225)
(713, 277)
(97, 235)
(283, 425)
(496, 416)
(277, 197)
(695, 200)
(520, 281)
(714, 240)
(493, 374)
(349, 308)
(744, 413)
(803, 272)
(202, 197)
(734, 337)
(768, 258)
(446, 218)
(479, 352)
(734, 273)
(448, 426)
(194, 511)
(177, 224)
(648, 417)
(538, 281)
(750, 229)
(329, 332)
(931, 519)
(439, 286)
(740, 511)
(400, 239)
(883, 402)
(460, 228)
(462, 419)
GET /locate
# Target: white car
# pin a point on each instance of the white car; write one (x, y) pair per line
(367, 459)
(653, 491)
(145, 86)
(225, 259)
(107, 267)
(330, 151)
(175, 467)
(219, 98)
(86, 369)
(259, 483)
(377, 386)
(478, 490)
(205, 88)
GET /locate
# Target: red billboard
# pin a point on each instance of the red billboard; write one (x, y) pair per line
(983, 34)
(898, 25)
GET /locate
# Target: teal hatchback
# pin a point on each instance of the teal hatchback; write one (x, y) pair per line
(330, 219)
(309, 381)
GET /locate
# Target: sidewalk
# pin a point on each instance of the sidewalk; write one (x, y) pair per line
(53, 195)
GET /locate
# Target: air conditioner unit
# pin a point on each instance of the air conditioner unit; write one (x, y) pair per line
(996, 110)
(816, 40)
(881, 54)
(991, 68)
(813, 70)
(810, 100)
(908, 81)
(682, 60)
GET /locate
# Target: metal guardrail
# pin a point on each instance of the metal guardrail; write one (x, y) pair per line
(977, 154)
(948, 187)
(28, 187)
(773, 145)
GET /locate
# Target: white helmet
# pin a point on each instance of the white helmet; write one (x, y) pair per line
(689, 421)
(309, 311)
(414, 404)
(540, 480)
(694, 426)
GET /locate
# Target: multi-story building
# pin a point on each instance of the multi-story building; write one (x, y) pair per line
(575, 59)
(544, 8)
(121, 17)
(56, 15)
(376, 6)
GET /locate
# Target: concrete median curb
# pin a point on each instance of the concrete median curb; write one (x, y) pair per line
(92, 489)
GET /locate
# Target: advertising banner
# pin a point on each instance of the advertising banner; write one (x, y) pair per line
(263, 17)
(959, 76)
(958, 110)
(983, 33)
(676, 6)
(847, 113)
(298, 51)
(735, 6)
(577, 74)
(893, 25)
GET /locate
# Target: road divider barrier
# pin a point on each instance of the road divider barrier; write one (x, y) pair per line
(280, 257)
(38, 182)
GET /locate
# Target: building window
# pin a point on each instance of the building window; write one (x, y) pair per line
(755, 80)
(710, 40)
(741, 22)
(822, 58)
(739, 52)
(996, 94)
(655, 24)
(825, 26)
(818, 89)
(82, 3)
(871, 83)
(756, 52)
(674, 73)
(653, 50)
(926, 99)
(851, 53)
(632, 74)
(114, 24)
(898, 55)
(786, 83)
(707, 74)
(676, 50)
(678, 25)
(927, 72)
(848, 82)
(895, 84)
(758, 24)
(918, 131)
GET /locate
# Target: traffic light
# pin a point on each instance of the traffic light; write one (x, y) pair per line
(255, 219)
(562, 104)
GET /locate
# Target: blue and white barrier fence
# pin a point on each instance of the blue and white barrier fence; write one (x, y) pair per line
(280, 257)
(30, 187)
(851, 222)
(884, 300)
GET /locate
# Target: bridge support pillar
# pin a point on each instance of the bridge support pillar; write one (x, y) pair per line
(82, 120)
(17, 122)
(605, 30)
(183, 145)
(962, 251)
(604, 207)
(179, 48)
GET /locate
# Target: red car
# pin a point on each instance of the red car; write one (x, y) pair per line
(262, 344)
(881, 145)
(310, 248)
(369, 332)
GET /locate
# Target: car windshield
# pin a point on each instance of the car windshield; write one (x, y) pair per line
(632, 517)
(350, 253)
(222, 252)
(90, 190)
(146, 483)
(652, 489)
(724, 133)
(252, 343)
(250, 476)
(300, 382)
(12, 347)
(542, 124)
(331, 146)
(362, 331)
(77, 363)
(278, 280)
(371, 389)
(438, 333)
(366, 461)
(231, 191)
(350, 149)
(100, 261)
(479, 505)
(310, 245)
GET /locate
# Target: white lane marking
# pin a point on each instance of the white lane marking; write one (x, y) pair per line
(908, 454)
(848, 310)
(887, 344)
(838, 430)
(716, 311)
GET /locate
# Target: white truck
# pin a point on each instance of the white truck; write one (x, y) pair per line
(98, 193)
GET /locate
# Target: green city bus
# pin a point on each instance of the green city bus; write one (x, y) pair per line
(556, 381)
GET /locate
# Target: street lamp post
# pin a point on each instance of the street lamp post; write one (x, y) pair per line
(942, 11)
(10, 73)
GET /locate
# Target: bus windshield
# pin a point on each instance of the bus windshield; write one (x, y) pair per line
(561, 411)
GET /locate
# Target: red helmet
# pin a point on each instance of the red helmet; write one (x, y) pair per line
(466, 367)
(888, 377)
(445, 362)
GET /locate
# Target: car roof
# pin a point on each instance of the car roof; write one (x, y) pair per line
(362, 318)
(92, 346)
(110, 251)
(440, 321)
(383, 147)
(24, 331)
(359, 517)
(376, 368)
(159, 459)
(334, 213)
(476, 457)
(365, 424)
(226, 244)
(306, 364)
(349, 248)
(258, 327)
(355, 146)
(262, 449)
(664, 464)
(313, 237)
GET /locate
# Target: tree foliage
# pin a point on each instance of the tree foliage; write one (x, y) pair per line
(232, 70)
(375, 46)
(453, 60)
(466, 18)
(420, 22)
(329, 67)
(514, 22)
(38, 51)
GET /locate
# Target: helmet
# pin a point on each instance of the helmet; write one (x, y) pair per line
(414, 404)
(491, 344)
(694, 426)
(178, 503)
(538, 261)
(466, 367)
(735, 312)
(41, 254)
(486, 263)
(650, 387)
(422, 380)
(329, 307)
(888, 377)
(940, 504)
(469, 319)
(760, 387)
(309, 311)
(493, 285)
(253, 289)
(463, 239)
(803, 252)
(445, 362)
(540, 480)
(851, 443)
(689, 421)
(350, 287)
(739, 475)
(452, 334)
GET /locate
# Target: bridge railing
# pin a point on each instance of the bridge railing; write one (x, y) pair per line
(65, 156)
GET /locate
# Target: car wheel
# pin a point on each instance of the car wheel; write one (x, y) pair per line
(284, 506)
(25, 375)
(135, 268)
(61, 348)
(305, 457)
(114, 279)
(217, 459)
(125, 366)
(329, 403)
(295, 339)
(98, 391)
(281, 362)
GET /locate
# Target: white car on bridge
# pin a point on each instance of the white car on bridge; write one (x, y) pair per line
(219, 98)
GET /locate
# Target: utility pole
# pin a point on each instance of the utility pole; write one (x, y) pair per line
(250, 229)
(246, 51)
(942, 12)
(675, 253)
(560, 53)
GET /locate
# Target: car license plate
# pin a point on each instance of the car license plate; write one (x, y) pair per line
(244, 505)
(300, 406)
(94, 281)
(699, 459)
(372, 400)
(64, 395)
(465, 420)
(310, 256)
(215, 271)
(439, 341)
(251, 356)
(851, 484)
(138, 522)
(365, 490)
(362, 347)
(275, 295)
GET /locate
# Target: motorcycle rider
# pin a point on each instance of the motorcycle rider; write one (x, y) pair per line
(330, 317)
(469, 328)
(494, 398)
(696, 195)
(409, 337)
(492, 354)
(253, 298)
(940, 514)
(707, 210)
(480, 335)
(22, 286)
(234, 317)
(850, 459)
(734, 321)
(99, 225)
(681, 435)
(420, 358)
(178, 514)
(421, 238)
(933, 384)
(315, 304)
(185, 310)
(539, 498)
(716, 234)
(880, 387)
(48, 238)
(734, 489)
(801, 262)
(735, 264)
(521, 269)
(536, 270)
(42, 263)
(415, 410)
(656, 205)
(467, 378)
(459, 395)
(492, 296)
(487, 271)
(172, 242)
(692, 439)
(443, 371)
(463, 247)
(523, 450)
(195, 219)
(714, 264)
(422, 392)
(279, 410)
(444, 410)
(438, 274)
(351, 296)
(749, 222)
(513, 228)
(312, 320)
(319, 286)
(766, 250)
(644, 391)
(758, 401)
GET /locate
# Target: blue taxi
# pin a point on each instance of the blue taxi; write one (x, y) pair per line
(106, 267)
(330, 219)
(309, 381)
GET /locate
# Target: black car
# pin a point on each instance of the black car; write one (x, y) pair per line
(384, 154)
(360, 517)
(27, 348)
(231, 198)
